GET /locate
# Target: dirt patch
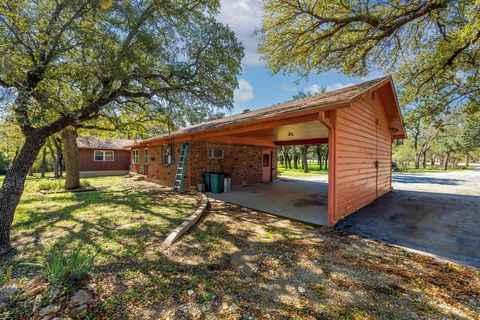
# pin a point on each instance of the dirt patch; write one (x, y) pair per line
(300, 271)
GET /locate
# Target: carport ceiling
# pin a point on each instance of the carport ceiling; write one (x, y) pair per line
(292, 132)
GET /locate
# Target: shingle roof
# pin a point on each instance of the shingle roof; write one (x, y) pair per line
(326, 99)
(108, 143)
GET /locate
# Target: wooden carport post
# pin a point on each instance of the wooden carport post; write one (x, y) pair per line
(330, 124)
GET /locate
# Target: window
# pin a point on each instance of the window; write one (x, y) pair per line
(145, 156)
(103, 155)
(215, 153)
(266, 160)
(167, 154)
(136, 156)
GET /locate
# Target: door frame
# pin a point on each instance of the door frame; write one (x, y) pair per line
(269, 152)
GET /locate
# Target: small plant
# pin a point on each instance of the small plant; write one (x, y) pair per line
(68, 269)
(5, 276)
(85, 183)
(50, 185)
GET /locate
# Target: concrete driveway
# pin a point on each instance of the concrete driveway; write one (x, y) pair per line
(291, 198)
(435, 213)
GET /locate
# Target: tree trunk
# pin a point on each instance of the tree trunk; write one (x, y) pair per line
(30, 171)
(54, 158)
(44, 163)
(14, 184)
(72, 173)
(415, 147)
(326, 160)
(295, 161)
(467, 160)
(446, 161)
(58, 147)
(417, 160)
(319, 156)
(304, 158)
(424, 162)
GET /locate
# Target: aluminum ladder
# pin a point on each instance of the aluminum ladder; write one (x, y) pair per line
(180, 175)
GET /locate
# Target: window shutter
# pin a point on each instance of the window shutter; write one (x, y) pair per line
(172, 152)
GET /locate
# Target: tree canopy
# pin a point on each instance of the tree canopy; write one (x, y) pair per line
(67, 62)
(69, 59)
(430, 46)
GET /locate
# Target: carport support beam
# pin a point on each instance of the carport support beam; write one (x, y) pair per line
(330, 124)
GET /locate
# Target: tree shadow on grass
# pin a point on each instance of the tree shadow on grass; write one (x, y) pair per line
(343, 277)
(119, 224)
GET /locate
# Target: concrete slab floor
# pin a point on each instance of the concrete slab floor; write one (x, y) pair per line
(291, 198)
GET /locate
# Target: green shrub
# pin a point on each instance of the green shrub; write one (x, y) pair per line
(68, 269)
(50, 185)
(5, 276)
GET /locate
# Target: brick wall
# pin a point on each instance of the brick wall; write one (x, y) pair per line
(242, 162)
(156, 172)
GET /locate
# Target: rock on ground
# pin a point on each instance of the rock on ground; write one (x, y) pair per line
(48, 310)
(81, 297)
(7, 293)
(79, 310)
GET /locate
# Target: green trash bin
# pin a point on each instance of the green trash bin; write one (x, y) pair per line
(207, 179)
(216, 182)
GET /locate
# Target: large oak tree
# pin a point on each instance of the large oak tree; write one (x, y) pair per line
(432, 47)
(68, 61)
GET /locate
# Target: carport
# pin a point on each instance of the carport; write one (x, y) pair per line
(357, 122)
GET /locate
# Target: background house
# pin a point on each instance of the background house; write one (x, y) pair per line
(103, 156)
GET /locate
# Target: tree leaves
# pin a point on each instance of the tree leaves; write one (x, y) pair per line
(432, 47)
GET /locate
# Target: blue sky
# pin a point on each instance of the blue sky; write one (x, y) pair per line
(257, 87)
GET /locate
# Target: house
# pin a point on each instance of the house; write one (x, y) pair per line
(359, 124)
(103, 156)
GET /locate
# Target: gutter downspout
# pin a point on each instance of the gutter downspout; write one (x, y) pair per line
(329, 124)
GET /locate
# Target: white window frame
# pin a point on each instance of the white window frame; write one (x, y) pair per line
(146, 156)
(136, 156)
(211, 154)
(103, 155)
(170, 156)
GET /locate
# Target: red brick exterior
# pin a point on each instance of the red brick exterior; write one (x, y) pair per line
(242, 162)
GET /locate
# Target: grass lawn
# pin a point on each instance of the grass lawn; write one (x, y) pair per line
(235, 264)
(433, 169)
(313, 169)
(119, 220)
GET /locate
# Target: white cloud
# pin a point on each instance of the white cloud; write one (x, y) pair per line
(244, 92)
(313, 89)
(316, 88)
(244, 17)
(338, 85)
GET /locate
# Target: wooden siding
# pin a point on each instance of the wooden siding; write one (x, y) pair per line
(86, 162)
(362, 137)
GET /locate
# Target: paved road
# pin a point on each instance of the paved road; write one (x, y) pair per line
(435, 213)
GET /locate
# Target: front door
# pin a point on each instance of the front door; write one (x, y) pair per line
(266, 166)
